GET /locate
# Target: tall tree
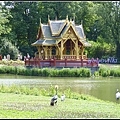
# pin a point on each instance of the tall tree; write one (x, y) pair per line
(24, 23)
(6, 46)
(110, 14)
(85, 14)
(115, 25)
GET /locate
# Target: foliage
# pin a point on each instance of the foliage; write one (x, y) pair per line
(100, 49)
(106, 71)
(17, 67)
(96, 74)
(8, 48)
(4, 29)
(46, 72)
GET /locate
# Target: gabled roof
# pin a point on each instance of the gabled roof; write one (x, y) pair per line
(56, 26)
(47, 32)
(55, 29)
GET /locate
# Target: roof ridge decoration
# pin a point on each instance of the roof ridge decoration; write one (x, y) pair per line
(40, 20)
(67, 19)
(56, 18)
(42, 33)
(48, 20)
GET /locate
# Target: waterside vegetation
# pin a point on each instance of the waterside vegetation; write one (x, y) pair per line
(17, 68)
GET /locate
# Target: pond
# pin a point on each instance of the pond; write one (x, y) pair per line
(102, 88)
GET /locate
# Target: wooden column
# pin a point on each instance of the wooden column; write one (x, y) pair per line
(77, 51)
(61, 51)
(38, 62)
(71, 52)
(82, 52)
(45, 50)
(57, 53)
(39, 51)
(50, 52)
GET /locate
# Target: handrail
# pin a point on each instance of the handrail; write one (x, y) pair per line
(36, 62)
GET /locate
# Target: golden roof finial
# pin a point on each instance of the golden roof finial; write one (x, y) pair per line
(70, 20)
(67, 18)
(48, 17)
(40, 20)
(74, 18)
(81, 21)
(56, 18)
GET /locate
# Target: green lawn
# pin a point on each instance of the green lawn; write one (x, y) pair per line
(30, 106)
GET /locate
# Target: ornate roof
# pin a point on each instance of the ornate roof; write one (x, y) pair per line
(56, 28)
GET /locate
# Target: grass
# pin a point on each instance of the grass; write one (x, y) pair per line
(31, 106)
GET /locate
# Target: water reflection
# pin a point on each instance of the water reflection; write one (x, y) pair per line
(102, 88)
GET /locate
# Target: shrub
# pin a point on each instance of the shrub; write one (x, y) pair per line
(45, 72)
(34, 71)
(96, 73)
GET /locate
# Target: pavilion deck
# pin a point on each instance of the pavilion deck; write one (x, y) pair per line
(36, 62)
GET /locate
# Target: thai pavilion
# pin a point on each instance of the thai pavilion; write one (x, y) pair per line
(60, 43)
(61, 39)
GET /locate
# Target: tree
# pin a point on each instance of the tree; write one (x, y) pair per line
(56, 10)
(25, 22)
(110, 13)
(3, 21)
(6, 47)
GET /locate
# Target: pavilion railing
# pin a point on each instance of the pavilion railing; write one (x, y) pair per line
(70, 57)
(36, 62)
